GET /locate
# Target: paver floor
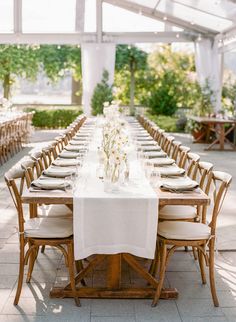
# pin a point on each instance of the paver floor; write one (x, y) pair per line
(194, 303)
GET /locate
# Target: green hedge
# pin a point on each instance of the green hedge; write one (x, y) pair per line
(54, 119)
(167, 123)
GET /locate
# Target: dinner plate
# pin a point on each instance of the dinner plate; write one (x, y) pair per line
(58, 172)
(65, 163)
(180, 185)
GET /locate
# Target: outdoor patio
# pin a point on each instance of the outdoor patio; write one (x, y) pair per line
(194, 302)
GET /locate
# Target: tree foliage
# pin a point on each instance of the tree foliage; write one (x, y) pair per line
(56, 60)
(172, 87)
(102, 93)
(17, 60)
(130, 60)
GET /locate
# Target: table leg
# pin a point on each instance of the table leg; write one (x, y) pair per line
(222, 136)
(114, 271)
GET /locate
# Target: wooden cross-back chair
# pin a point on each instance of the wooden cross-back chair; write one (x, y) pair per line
(174, 149)
(36, 232)
(182, 156)
(191, 164)
(200, 235)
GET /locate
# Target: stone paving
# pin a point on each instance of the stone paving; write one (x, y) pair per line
(193, 305)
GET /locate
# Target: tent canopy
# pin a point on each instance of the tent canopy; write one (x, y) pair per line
(117, 21)
(98, 25)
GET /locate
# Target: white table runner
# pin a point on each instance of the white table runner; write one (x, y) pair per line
(120, 222)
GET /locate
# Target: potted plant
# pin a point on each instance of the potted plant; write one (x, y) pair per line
(203, 107)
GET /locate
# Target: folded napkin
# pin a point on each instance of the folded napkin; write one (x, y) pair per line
(65, 162)
(80, 135)
(154, 148)
(58, 172)
(47, 184)
(155, 154)
(171, 171)
(80, 139)
(74, 148)
(145, 139)
(160, 162)
(179, 185)
(68, 155)
(77, 143)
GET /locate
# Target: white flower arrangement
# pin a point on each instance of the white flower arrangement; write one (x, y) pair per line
(114, 143)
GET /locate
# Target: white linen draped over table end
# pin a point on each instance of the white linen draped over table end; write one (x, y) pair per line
(114, 225)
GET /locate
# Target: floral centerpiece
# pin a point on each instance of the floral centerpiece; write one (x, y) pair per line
(114, 143)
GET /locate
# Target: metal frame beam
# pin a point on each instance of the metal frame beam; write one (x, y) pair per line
(148, 12)
(17, 16)
(99, 20)
(112, 37)
(226, 48)
(79, 15)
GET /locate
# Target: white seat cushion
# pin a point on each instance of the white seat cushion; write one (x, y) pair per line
(182, 230)
(54, 211)
(49, 227)
(177, 212)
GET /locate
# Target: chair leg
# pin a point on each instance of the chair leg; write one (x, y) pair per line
(201, 261)
(42, 249)
(32, 259)
(163, 252)
(21, 276)
(72, 272)
(195, 254)
(212, 272)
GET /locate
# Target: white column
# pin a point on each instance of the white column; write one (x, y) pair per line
(209, 64)
(96, 58)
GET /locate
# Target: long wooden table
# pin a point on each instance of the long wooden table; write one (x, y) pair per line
(217, 126)
(113, 288)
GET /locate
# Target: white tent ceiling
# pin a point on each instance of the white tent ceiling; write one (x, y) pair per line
(117, 21)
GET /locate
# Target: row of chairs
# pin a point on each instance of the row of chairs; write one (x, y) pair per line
(184, 225)
(13, 134)
(50, 225)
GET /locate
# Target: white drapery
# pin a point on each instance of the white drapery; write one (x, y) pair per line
(209, 67)
(96, 58)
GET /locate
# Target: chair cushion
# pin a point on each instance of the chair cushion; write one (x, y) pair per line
(55, 211)
(49, 227)
(181, 230)
(177, 212)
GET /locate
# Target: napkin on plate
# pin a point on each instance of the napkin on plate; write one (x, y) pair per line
(58, 172)
(155, 154)
(48, 184)
(77, 143)
(65, 162)
(68, 155)
(74, 148)
(154, 148)
(180, 185)
(159, 162)
(171, 171)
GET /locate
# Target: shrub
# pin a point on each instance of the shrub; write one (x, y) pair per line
(102, 93)
(54, 119)
(167, 123)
